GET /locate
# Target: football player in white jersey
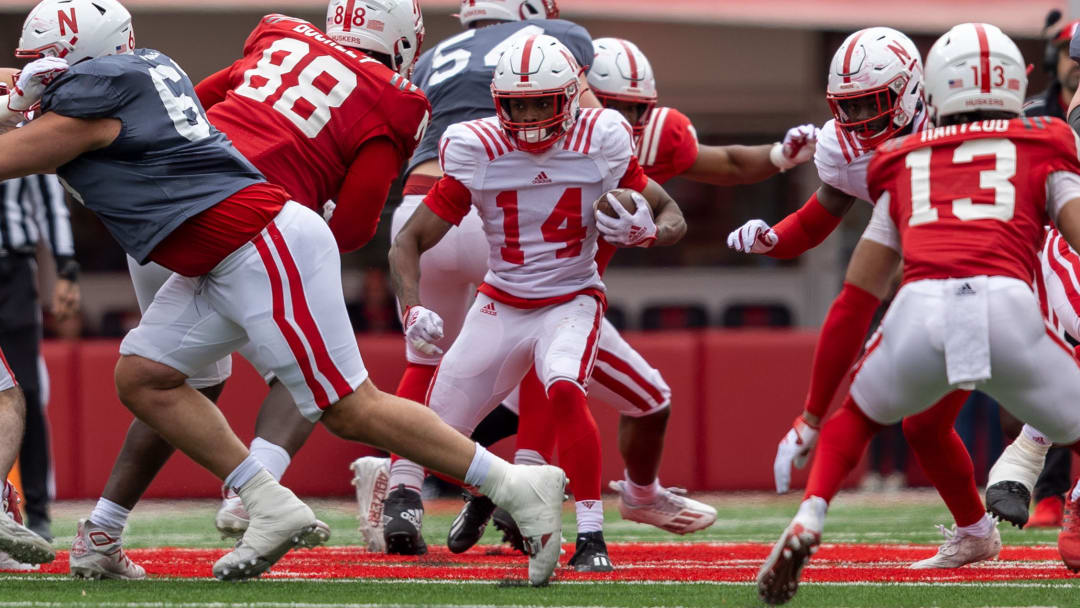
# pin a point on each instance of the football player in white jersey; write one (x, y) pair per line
(532, 172)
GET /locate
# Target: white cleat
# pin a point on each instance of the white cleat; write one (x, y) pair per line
(232, 518)
(778, 578)
(533, 495)
(671, 511)
(8, 564)
(279, 521)
(1012, 479)
(961, 549)
(21, 544)
(371, 476)
(95, 553)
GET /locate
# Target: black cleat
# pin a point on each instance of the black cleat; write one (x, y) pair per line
(511, 534)
(1009, 501)
(469, 525)
(403, 517)
(591, 554)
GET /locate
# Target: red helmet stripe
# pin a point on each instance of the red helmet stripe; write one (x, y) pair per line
(633, 63)
(526, 54)
(984, 58)
(347, 16)
(850, 51)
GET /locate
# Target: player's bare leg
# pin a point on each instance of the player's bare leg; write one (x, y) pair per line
(158, 395)
(641, 443)
(16, 540)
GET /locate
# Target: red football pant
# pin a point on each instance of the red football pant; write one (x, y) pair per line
(842, 443)
(941, 453)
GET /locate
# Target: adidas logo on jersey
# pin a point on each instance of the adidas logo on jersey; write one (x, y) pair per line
(541, 178)
(965, 290)
(489, 309)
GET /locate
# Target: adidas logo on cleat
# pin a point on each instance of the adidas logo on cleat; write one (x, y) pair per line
(489, 309)
(541, 178)
(414, 517)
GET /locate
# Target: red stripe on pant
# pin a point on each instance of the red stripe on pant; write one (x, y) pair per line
(623, 367)
(609, 382)
(589, 356)
(302, 315)
(277, 293)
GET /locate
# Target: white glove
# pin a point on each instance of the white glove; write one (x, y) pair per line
(793, 450)
(628, 230)
(754, 236)
(30, 83)
(422, 328)
(8, 119)
(797, 148)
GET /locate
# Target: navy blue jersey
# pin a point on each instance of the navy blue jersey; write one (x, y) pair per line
(167, 164)
(456, 74)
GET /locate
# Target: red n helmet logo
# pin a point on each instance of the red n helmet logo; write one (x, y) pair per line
(899, 51)
(67, 19)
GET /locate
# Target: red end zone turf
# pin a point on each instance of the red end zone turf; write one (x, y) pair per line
(690, 562)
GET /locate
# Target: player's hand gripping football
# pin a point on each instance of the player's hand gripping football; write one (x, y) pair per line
(794, 450)
(422, 328)
(797, 148)
(30, 83)
(754, 236)
(635, 229)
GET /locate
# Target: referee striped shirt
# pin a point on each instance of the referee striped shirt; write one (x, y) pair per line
(33, 209)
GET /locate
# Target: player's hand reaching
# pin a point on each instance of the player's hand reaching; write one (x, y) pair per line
(30, 83)
(797, 148)
(635, 229)
(422, 328)
(754, 236)
(794, 450)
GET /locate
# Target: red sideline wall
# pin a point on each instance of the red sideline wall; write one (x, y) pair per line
(734, 395)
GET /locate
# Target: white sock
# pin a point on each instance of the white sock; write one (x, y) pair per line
(1033, 434)
(531, 457)
(590, 516)
(812, 513)
(243, 473)
(109, 515)
(642, 495)
(981, 528)
(479, 468)
(487, 473)
(273, 457)
(406, 472)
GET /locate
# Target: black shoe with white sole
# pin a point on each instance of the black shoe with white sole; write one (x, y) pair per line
(591, 554)
(470, 523)
(403, 518)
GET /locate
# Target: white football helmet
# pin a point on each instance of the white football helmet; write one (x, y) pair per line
(391, 27)
(621, 72)
(76, 30)
(974, 67)
(506, 10)
(537, 68)
(875, 84)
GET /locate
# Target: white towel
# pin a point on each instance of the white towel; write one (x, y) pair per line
(967, 331)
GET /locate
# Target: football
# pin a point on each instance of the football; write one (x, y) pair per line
(603, 205)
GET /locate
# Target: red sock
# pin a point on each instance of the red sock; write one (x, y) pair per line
(842, 443)
(943, 457)
(578, 439)
(839, 344)
(536, 418)
(415, 382)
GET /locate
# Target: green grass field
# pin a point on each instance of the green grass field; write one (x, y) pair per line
(889, 519)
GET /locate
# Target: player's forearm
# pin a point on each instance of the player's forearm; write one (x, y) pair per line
(732, 165)
(404, 260)
(668, 217)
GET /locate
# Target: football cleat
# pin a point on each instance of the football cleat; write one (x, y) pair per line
(511, 534)
(403, 520)
(19, 542)
(279, 521)
(1048, 513)
(371, 477)
(9, 564)
(95, 553)
(1012, 479)
(671, 511)
(533, 496)
(591, 554)
(232, 518)
(470, 523)
(1069, 537)
(778, 578)
(961, 549)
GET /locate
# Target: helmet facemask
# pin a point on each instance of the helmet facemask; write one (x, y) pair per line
(535, 135)
(644, 108)
(871, 115)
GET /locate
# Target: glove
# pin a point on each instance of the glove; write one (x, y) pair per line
(798, 147)
(628, 230)
(793, 450)
(754, 236)
(422, 328)
(30, 83)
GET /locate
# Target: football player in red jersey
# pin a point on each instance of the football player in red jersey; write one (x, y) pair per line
(332, 119)
(965, 204)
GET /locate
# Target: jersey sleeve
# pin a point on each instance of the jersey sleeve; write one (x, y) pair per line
(839, 165)
(882, 229)
(80, 93)
(212, 89)
(677, 148)
(460, 151)
(406, 113)
(616, 147)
